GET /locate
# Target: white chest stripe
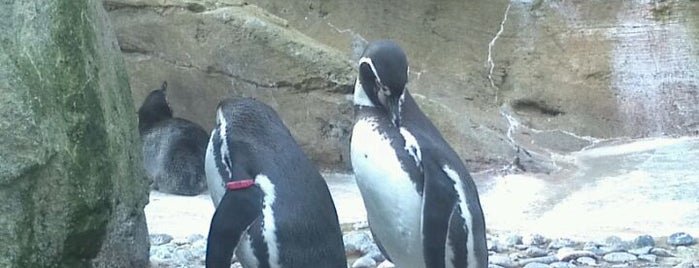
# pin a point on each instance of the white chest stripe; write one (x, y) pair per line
(224, 144)
(268, 228)
(465, 213)
(411, 146)
(360, 97)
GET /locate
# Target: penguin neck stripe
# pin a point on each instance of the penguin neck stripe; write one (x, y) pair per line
(239, 185)
(371, 65)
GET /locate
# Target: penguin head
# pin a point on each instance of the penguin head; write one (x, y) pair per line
(383, 74)
(154, 108)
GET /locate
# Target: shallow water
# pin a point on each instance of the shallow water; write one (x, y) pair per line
(621, 188)
(638, 187)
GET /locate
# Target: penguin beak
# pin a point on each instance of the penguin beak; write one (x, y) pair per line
(393, 107)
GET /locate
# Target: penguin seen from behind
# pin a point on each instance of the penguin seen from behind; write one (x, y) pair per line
(173, 148)
(273, 207)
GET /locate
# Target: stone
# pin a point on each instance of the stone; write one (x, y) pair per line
(516, 255)
(537, 265)
(588, 261)
(561, 264)
(609, 249)
(545, 259)
(181, 241)
(502, 260)
(198, 248)
(364, 262)
(614, 244)
(513, 240)
(619, 257)
(568, 255)
(661, 252)
(648, 257)
(535, 240)
(183, 256)
(386, 264)
(620, 265)
(159, 239)
(594, 248)
(681, 239)
(644, 241)
(640, 251)
(174, 149)
(496, 246)
(536, 252)
(71, 182)
(375, 253)
(561, 242)
(194, 238)
(357, 242)
(685, 264)
(162, 253)
(521, 247)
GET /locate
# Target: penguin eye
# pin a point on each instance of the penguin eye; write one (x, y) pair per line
(382, 88)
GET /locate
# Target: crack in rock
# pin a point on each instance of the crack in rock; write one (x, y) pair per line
(490, 60)
(112, 5)
(306, 85)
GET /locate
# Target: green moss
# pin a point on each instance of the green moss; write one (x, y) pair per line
(661, 11)
(91, 167)
(62, 79)
(67, 202)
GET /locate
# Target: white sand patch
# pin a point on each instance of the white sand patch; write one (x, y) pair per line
(179, 216)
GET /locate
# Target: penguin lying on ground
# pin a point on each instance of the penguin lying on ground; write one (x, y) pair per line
(272, 205)
(173, 148)
(422, 205)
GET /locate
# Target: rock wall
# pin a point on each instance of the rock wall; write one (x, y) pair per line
(207, 52)
(71, 184)
(507, 82)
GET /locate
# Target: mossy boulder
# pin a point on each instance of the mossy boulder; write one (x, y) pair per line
(71, 181)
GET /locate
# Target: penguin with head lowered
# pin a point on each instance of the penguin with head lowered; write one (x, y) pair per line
(173, 148)
(422, 205)
(272, 205)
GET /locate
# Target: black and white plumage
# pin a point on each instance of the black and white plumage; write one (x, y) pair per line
(423, 207)
(287, 217)
(173, 148)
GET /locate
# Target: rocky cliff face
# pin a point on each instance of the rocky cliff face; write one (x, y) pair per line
(71, 184)
(508, 82)
(207, 52)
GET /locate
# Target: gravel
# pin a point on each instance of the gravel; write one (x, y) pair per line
(533, 251)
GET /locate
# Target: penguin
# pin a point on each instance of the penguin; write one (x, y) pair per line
(422, 205)
(273, 208)
(173, 148)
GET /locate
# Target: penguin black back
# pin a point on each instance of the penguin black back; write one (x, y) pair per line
(289, 195)
(154, 109)
(173, 148)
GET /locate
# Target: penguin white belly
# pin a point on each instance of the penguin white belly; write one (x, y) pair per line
(213, 178)
(244, 252)
(390, 197)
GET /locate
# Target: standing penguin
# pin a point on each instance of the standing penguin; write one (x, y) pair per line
(422, 205)
(173, 148)
(272, 204)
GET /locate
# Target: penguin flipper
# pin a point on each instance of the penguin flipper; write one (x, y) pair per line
(438, 204)
(234, 214)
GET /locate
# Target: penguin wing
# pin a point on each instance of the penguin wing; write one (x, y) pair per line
(234, 214)
(438, 202)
